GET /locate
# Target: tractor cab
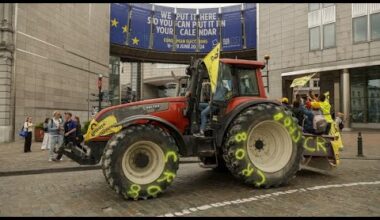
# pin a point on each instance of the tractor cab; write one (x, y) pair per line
(237, 81)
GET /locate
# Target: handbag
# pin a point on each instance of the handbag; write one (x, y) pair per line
(23, 133)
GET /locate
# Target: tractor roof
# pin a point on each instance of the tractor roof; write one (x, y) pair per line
(247, 63)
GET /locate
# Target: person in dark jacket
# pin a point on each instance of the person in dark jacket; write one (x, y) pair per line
(70, 133)
(79, 136)
(298, 112)
(309, 116)
(28, 126)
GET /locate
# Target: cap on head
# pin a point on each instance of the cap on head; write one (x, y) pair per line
(285, 100)
(315, 105)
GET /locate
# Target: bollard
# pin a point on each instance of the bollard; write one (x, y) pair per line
(360, 145)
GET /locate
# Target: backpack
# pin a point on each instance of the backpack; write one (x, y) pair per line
(319, 124)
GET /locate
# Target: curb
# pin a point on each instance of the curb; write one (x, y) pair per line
(64, 169)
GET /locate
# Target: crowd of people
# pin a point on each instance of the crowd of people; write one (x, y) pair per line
(313, 113)
(58, 132)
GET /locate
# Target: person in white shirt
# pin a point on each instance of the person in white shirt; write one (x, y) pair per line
(45, 142)
(28, 126)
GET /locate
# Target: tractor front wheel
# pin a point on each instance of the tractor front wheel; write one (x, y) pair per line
(140, 161)
(263, 146)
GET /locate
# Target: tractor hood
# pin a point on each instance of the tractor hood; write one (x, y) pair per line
(107, 117)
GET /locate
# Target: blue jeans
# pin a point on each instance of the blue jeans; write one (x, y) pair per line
(204, 115)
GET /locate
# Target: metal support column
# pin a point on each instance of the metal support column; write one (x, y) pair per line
(345, 76)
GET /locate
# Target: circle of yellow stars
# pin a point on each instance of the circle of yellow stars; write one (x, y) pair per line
(115, 22)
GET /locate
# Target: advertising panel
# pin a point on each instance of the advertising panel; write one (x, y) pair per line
(209, 28)
(186, 30)
(232, 31)
(139, 27)
(163, 28)
(119, 23)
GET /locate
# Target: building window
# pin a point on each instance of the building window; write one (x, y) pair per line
(360, 29)
(375, 26)
(325, 5)
(314, 39)
(321, 23)
(316, 83)
(313, 6)
(365, 81)
(365, 22)
(329, 35)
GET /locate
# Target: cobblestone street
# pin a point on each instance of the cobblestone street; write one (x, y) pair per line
(352, 190)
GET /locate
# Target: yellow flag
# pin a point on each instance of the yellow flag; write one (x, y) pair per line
(212, 64)
(102, 128)
(301, 81)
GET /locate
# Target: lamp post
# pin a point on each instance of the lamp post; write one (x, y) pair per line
(100, 79)
(267, 57)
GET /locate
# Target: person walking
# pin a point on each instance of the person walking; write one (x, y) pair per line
(28, 127)
(70, 128)
(45, 143)
(54, 127)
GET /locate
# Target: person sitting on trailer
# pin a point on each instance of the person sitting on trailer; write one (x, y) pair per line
(309, 116)
(285, 103)
(298, 112)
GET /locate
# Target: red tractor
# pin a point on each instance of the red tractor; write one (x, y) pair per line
(140, 144)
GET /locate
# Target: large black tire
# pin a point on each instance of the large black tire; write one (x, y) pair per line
(135, 150)
(264, 146)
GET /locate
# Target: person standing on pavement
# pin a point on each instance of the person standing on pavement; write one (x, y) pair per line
(45, 142)
(79, 136)
(70, 128)
(54, 129)
(28, 126)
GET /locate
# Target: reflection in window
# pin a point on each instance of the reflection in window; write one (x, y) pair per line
(329, 35)
(360, 29)
(365, 83)
(375, 26)
(314, 39)
(247, 82)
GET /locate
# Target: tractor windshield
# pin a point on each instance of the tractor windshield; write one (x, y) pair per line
(247, 81)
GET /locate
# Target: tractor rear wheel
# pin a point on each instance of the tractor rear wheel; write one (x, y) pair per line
(264, 146)
(140, 161)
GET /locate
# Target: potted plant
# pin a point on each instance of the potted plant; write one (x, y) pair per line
(39, 132)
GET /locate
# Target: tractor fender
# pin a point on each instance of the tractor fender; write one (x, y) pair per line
(169, 126)
(232, 115)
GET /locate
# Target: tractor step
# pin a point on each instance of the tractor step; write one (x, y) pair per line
(206, 153)
(208, 165)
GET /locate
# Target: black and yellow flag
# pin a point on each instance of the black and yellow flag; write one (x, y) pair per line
(212, 63)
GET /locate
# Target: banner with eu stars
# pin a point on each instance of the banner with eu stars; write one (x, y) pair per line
(119, 23)
(139, 28)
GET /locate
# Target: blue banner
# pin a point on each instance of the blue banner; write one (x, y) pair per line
(208, 27)
(232, 31)
(183, 30)
(119, 23)
(139, 27)
(186, 30)
(163, 28)
(250, 25)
